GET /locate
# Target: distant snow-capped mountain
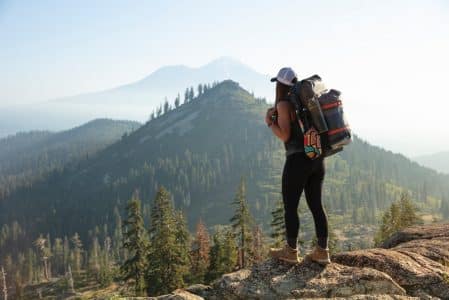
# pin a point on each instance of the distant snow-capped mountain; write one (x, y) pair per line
(134, 101)
(171, 80)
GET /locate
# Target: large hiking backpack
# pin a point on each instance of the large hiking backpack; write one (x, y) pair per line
(321, 108)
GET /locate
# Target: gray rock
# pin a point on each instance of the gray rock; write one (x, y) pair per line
(274, 280)
(409, 265)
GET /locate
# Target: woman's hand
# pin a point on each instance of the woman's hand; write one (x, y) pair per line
(269, 114)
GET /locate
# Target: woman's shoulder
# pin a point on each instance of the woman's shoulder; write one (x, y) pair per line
(286, 106)
(284, 103)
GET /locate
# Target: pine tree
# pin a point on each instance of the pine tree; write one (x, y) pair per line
(223, 253)
(242, 223)
(44, 254)
(58, 254)
(168, 264)
(408, 211)
(105, 276)
(200, 253)
(166, 105)
(186, 96)
(77, 251)
(135, 241)
(4, 285)
(70, 282)
(200, 89)
(18, 286)
(183, 246)
(66, 255)
(400, 214)
(177, 100)
(278, 224)
(118, 236)
(191, 94)
(94, 259)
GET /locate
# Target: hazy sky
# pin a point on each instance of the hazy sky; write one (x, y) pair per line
(388, 57)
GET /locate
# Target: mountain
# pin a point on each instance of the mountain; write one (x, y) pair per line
(133, 101)
(170, 80)
(199, 151)
(27, 155)
(438, 161)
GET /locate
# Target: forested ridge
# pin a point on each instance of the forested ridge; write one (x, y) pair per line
(199, 150)
(28, 156)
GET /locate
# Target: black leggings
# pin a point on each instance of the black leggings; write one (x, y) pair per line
(300, 173)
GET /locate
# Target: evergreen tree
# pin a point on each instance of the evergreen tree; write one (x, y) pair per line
(191, 94)
(401, 214)
(223, 253)
(105, 276)
(278, 224)
(186, 96)
(118, 236)
(408, 211)
(168, 264)
(94, 259)
(66, 255)
(200, 253)
(18, 286)
(135, 241)
(77, 251)
(58, 254)
(200, 89)
(166, 106)
(177, 100)
(183, 246)
(44, 254)
(242, 223)
(159, 111)
(4, 283)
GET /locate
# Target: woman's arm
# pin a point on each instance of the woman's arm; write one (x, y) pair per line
(281, 128)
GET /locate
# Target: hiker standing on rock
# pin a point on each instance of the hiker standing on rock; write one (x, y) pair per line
(299, 173)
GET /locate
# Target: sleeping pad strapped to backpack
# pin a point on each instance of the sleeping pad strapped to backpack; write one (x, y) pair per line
(321, 108)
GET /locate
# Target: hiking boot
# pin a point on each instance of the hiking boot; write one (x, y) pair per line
(319, 255)
(285, 253)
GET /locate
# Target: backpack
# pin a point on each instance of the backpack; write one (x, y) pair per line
(320, 113)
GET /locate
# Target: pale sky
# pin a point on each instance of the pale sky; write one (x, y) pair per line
(390, 58)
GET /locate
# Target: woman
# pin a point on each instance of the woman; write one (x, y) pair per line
(299, 173)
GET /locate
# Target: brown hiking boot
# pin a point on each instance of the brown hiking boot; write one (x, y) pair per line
(319, 255)
(285, 253)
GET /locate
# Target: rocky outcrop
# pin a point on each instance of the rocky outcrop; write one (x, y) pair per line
(409, 265)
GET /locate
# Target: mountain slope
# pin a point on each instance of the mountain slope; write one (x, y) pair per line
(438, 161)
(199, 151)
(29, 154)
